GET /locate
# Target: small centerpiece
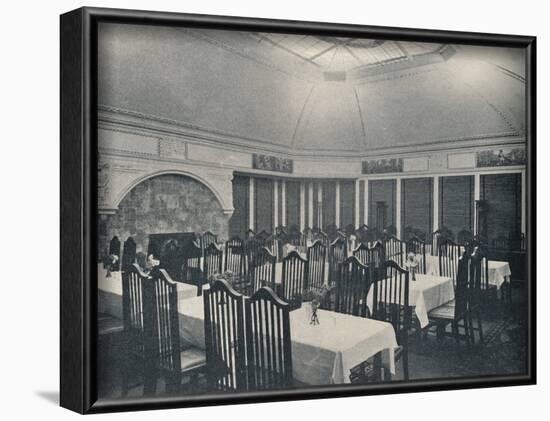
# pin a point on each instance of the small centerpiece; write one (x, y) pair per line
(315, 296)
(411, 263)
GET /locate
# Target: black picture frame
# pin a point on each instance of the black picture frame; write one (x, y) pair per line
(78, 60)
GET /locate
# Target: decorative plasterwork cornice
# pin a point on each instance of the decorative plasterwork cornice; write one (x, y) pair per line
(111, 118)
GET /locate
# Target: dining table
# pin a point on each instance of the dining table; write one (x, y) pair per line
(322, 353)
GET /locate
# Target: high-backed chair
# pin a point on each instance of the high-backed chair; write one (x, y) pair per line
(374, 257)
(262, 270)
(457, 310)
(449, 255)
(235, 258)
(307, 236)
(213, 257)
(207, 238)
(162, 327)
(224, 331)
(417, 246)
(352, 288)
(128, 253)
(337, 254)
(395, 248)
(316, 258)
(192, 268)
(268, 341)
(136, 356)
(294, 281)
(390, 303)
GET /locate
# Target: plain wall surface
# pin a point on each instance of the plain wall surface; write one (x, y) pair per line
(29, 303)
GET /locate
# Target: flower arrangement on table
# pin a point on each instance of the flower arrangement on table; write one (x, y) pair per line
(237, 282)
(411, 263)
(315, 296)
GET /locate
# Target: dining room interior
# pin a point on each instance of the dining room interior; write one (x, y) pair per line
(282, 211)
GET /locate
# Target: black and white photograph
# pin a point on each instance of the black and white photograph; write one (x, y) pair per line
(288, 211)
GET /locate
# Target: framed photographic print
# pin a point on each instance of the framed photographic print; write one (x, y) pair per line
(257, 210)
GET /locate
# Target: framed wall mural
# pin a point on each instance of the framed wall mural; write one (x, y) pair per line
(241, 196)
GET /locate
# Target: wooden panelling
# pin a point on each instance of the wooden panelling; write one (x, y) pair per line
(347, 202)
(263, 206)
(503, 195)
(238, 223)
(292, 203)
(417, 204)
(381, 191)
(456, 203)
(329, 203)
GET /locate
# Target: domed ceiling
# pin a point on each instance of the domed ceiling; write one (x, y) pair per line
(301, 93)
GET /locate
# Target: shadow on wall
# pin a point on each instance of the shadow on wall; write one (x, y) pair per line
(163, 204)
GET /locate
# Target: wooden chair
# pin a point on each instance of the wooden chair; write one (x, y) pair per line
(295, 279)
(129, 250)
(373, 257)
(322, 237)
(316, 258)
(191, 269)
(307, 237)
(457, 310)
(361, 253)
(268, 341)
(162, 327)
(114, 250)
(262, 271)
(135, 358)
(294, 236)
(352, 288)
(251, 247)
(213, 257)
(418, 247)
(224, 330)
(394, 249)
(361, 233)
(449, 255)
(206, 239)
(337, 254)
(390, 303)
(235, 258)
(475, 297)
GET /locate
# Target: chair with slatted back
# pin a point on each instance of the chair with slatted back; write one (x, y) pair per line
(262, 271)
(294, 281)
(456, 310)
(114, 250)
(337, 253)
(316, 258)
(213, 257)
(449, 255)
(206, 239)
(224, 332)
(361, 253)
(134, 347)
(390, 303)
(352, 288)
(321, 236)
(268, 341)
(376, 259)
(417, 246)
(129, 249)
(361, 233)
(251, 248)
(307, 237)
(161, 326)
(475, 296)
(192, 269)
(235, 258)
(394, 249)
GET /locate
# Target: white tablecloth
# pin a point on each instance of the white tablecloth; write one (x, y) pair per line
(425, 294)
(321, 354)
(109, 299)
(499, 272)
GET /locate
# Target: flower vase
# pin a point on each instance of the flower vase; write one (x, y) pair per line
(314, 317)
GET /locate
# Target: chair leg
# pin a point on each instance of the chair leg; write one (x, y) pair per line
(480, 326)
(455, 332)
(466, 331)
(405, 359)
(471, 328)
